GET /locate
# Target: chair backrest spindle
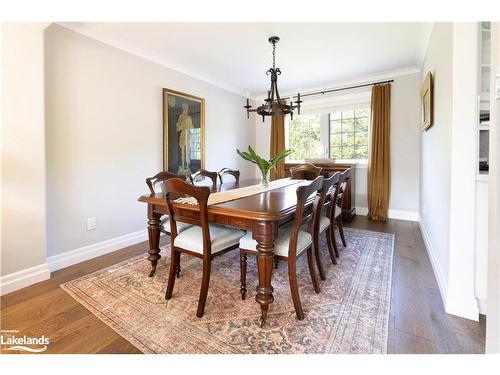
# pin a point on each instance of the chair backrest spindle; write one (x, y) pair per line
(160, 178)
(306, 171)
(302, 216)
(328, 198)
(232, 172)
(204, 173)
(342, 184)
(176, 187)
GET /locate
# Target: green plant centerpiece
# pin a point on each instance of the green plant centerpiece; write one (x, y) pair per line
(263, 164)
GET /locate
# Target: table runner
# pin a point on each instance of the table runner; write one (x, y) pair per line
(226, 196)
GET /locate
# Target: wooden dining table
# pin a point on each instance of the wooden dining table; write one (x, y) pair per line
(261, 213)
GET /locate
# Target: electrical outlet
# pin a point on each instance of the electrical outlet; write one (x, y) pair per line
(497, 86)
(91, 223)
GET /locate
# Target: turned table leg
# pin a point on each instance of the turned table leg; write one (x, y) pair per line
(154, 238)
(264, 233)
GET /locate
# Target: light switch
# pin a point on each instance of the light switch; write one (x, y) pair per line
(91, 223)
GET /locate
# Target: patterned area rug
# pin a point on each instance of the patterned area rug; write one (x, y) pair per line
(350, 315)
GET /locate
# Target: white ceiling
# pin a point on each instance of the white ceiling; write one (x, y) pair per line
(236, 56)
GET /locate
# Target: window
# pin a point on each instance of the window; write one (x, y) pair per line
(349, 134)
(304, 137)
(195, 149)
(340, 135)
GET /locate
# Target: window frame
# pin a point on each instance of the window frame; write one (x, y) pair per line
(327, 132)
(287, 134)
(352, 108)
(195, 145)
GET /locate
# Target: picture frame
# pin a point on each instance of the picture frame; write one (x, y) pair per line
(183, 132)
(426, 102)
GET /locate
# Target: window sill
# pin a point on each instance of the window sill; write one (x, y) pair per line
(358, 163)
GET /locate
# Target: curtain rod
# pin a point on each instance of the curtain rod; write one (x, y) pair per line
(322, 92)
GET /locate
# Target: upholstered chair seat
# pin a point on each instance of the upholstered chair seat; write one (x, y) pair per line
(165, 223)
(202, 239)
(221, 238)
(338, 211)
(324, 223)
(291, 242)
(281, 244)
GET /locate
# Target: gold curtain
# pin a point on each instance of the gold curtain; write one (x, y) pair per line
(379, 163)
(277, 145)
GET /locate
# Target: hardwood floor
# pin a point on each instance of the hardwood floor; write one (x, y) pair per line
(418, 323)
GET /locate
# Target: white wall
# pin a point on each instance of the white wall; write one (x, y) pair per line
(22, 157)
(405, 143)
(449, 165)
(104, 136)
(405, 104)
(435, 154)
(461, 299)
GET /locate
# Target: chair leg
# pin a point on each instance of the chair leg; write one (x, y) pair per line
(174, 261)
(276, 261)
(178, 271)
(205, 281)
(310, 263)
(341, 231)
(331, 248)
(318, 256)
(334, 240)
(294, 289)
(243, 275)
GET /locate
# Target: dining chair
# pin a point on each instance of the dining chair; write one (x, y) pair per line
(231, 172)
(325, 216)
(159, 179)
(342, 185)
(202, 240)
(305, 171)
(202, 173)
(294, 239)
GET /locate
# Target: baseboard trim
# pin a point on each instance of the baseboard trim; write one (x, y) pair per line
(363, 211)
(21, 279)
(481, 303)
(69, 258)
(393, 214)
(442, 283)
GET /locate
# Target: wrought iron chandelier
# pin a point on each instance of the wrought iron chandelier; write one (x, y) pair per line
(274, 105)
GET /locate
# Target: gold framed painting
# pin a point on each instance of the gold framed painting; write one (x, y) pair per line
(183, 132)
(426, 102)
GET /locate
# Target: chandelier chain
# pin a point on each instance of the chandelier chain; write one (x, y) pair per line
(274, 55)
(273, 105)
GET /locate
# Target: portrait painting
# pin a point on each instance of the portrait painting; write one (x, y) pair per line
(426, 102)
(183, 132)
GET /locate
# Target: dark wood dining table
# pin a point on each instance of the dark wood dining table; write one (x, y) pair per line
(261, 213)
